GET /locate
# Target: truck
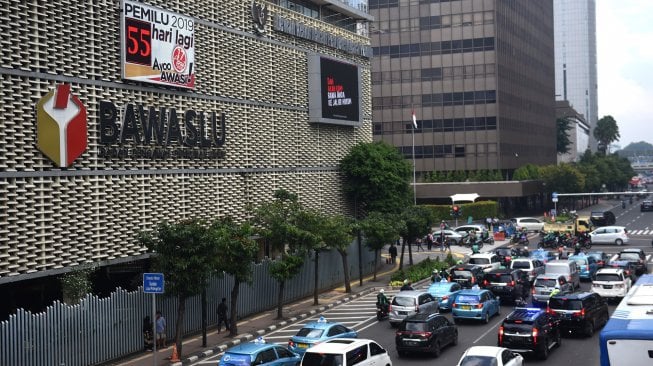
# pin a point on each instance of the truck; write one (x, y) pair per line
(579, 225)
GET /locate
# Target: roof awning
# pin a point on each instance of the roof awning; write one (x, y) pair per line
(464, 197)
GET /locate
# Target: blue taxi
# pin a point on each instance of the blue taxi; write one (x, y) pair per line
(445, 292)
(316, 332)
(586, 264)
(259, 352)
(475, 304)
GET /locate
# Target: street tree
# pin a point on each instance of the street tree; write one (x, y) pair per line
(417, 221)
(563, 178)
(185, 258)
(277, 222)
(376, 178)
(606, 132)
(563, 142)
(380, 229)
(338, 233)
(236, 251)
(314, 223)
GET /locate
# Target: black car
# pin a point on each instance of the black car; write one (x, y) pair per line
(425, 333)
(646, 206)
(636, 257)
(602, 218)
(530, 330)
(580, 312)
(508, 284)
(628, 267)
(467, 275)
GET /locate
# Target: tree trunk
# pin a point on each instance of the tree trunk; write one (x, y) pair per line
(360, 258)
(282, 284)
(376, 258)
(401, 259)
(233, 315)
(204, 321)
(410, 252)
(179, 332)
(345, 267)
(315, 284)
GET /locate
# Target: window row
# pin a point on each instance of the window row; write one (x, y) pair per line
(436, 48)
(442, 125)
(433, 74)
(438, 99)
(455, 20)
(448, 151)
(378, 4)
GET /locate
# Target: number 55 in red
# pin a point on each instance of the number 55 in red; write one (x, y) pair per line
(138, 42)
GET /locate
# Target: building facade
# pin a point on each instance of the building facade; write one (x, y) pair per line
(578, 132)
(118, 115)
(479, 76)
(575, 58)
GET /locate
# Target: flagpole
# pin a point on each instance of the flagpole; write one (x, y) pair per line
(414, 180)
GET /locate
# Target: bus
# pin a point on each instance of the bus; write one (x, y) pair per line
(627, 338)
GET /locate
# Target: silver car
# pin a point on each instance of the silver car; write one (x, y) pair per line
(406, 303)
(545, 284)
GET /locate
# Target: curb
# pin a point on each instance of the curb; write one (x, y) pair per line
(248, 337)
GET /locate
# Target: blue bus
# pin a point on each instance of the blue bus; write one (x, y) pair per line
(627, 338)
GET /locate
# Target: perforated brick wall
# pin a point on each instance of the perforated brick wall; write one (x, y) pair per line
(54, 217)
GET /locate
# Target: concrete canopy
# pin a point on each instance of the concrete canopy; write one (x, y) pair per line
(464, 197)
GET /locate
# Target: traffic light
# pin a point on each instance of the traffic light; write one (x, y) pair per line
(456, 211)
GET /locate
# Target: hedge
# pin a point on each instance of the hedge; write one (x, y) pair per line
(421, 270)
(477, 210)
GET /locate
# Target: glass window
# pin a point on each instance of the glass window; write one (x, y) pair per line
(375, 349)
(265, 356)
(357, 355)
(283, 352)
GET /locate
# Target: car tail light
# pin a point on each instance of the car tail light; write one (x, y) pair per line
(580, 313)
(532, 290)
(535, 334)
(511, 284)
(389, 308)
(508, 259)
(501, 335)
(445, 297)
(424, 334)
(291, 343)
(479, 306)
(454, 305)
(485, 282)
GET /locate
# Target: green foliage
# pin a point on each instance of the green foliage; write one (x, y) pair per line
(449, 260)
(276, 221)
(477, 210)
(377, 178)
(606, 132)
(183, 255)
(612, 170)
(76, 284)
(419, 271)
(418, 221)
(287, 267)
(563, 142)
(336, 232)
(236, 250)
(564, 178)
(636, 148)
(527, 172)
(381, 228)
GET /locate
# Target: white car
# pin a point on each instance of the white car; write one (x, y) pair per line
(481, 230)
(528, 223)
(488, 261)
(453, 237)
(609, 235)
(346, 352)
(488, 355)
(611, 283)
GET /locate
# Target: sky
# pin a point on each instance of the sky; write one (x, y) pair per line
(625, 66)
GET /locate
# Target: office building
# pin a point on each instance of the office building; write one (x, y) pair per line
(479, 75)
(578, 132)
(575, 58)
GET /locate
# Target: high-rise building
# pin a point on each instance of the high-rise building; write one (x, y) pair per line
(479, 75)
(575, 58)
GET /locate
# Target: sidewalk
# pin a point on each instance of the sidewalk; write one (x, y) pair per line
(262, 323)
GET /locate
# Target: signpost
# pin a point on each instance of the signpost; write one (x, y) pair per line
(153, 283)
(554, 199)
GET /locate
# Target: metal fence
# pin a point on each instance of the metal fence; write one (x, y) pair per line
(99, 330)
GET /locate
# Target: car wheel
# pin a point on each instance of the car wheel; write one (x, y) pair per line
(437, 350)
(558, 339)
(487, 318)
(589, 329)
(544, 353)
(619, 242)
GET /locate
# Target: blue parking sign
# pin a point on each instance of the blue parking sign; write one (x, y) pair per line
(153, 283)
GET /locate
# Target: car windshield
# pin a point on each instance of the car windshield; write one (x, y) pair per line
(463, 274)
(479, 261)
(521, 264)
(478, 361)
(414, 326)
(467, 299)
(403, 301)
(503, 252)
(498, 277)
(565, 304)
(545, 282)
(237, 359)
(608, 277)
(310, 332)
(629, 256)
(322, 359)
(580, 261)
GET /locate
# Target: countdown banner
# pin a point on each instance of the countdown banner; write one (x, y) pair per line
(157, 46)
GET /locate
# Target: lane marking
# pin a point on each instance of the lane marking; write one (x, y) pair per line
(489, 330)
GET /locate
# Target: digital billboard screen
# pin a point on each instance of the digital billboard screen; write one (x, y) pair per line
(334, 91)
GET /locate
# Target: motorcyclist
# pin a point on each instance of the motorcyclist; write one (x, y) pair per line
(406, 286)
(630, 199)
(623, 203)
(382, 301)
(435, 276)
(577, 248)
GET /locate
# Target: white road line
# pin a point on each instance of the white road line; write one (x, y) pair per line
(614, 257)
(489, 330)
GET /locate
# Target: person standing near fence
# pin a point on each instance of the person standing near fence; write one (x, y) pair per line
(222, 314)
(393, 253)
(160, 330)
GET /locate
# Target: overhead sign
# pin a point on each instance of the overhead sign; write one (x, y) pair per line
(554, 195)
(334, 91)
(157, 46)
(153, 283)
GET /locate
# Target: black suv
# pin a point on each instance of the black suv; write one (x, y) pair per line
(530, 330)
(466, 275)
(646, 206)
(602, 218)
(425, 333)
(636, 257)
(508, 284)
(580, 312)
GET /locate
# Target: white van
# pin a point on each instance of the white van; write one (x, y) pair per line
(346, 352)
(566, 268)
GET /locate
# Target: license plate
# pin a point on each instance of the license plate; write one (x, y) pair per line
(302, 345)
(466, 307)
(410, 343)
(607, 286)
(403, 313)
(497, 288)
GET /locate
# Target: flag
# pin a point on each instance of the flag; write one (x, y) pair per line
(414, 120)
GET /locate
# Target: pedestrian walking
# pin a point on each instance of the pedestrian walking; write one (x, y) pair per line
(393, 253)
(222, 314)
(160, 330)
(443, 226)
(429, 240)
(488, 222)
(418, 243)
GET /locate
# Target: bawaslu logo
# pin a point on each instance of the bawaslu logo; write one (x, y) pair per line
(61, 131)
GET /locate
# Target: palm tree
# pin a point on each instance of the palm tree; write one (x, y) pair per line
(606, 132)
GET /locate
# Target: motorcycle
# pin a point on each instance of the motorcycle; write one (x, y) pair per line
(382, 312)
(585, 241)
(549, 241)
